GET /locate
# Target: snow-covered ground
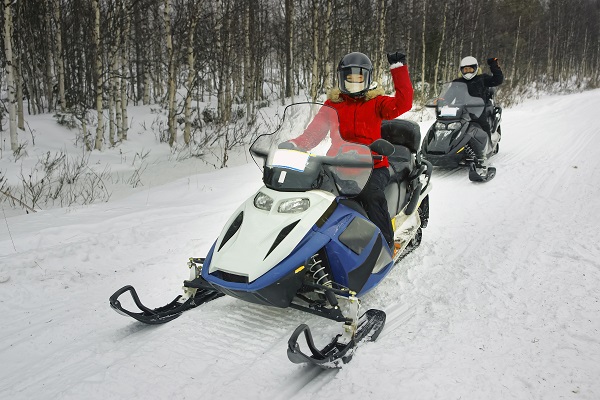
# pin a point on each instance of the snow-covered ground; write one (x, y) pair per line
(501, 301)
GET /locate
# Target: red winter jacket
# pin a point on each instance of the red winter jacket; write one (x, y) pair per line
(360, 118)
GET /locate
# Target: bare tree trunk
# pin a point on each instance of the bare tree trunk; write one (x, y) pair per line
(157, 76)
(171, 78)
(448, 71)
(187, 131)
(113, 88)
(49, 60)
(474, 30)
(328, 81)
(437, 62)
(289, 47)
(59, 55)
(409, 33)
(123, 78)
(145, 26)
(514, 68)
(381, 32)
(19, 82)
(247, 64)
(98, 64)
(423, 51)
(10, 75)
(315, 46)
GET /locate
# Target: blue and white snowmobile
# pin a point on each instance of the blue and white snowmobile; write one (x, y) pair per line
(302, 241)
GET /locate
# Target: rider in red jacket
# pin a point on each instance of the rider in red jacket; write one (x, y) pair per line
(361, 107)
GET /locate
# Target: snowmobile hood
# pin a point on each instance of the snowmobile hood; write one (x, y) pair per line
(255, 240)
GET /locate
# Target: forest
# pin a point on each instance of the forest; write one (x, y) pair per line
(79, 59)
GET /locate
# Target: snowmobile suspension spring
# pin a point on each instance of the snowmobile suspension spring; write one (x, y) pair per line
(470, 152)
(318, 272)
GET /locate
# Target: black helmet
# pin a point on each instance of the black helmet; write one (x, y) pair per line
(355, 72)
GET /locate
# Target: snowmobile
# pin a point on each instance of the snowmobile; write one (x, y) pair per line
(301, 241)
(455, 139)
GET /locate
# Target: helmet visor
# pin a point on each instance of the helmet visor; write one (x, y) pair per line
(468, 71)
(354, 80)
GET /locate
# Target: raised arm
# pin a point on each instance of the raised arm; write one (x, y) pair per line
(392, 107)
(497, 76)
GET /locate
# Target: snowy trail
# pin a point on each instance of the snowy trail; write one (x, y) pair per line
(502, 299)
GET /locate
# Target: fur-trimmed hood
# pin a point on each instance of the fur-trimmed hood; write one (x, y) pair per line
(335, 94)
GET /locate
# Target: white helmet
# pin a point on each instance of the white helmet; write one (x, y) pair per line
(468, 67)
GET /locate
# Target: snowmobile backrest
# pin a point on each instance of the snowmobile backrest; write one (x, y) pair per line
(402, 132)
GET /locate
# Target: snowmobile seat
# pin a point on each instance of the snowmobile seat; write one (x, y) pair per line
(402, 132)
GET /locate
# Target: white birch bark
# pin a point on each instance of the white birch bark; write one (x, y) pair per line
(289, 56)
(247, 64)
(98, 65)
(327, 44)
(59, 56)
(315, 46)
(187, 131)
(123, 128)
(380, 56)
(10, 75)
(50, 57)
(514, 68)
(424, 50)
(171, 78)
(439, 54)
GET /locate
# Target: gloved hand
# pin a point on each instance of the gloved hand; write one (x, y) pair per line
(393, 58)
(287, 146)
(492, 61)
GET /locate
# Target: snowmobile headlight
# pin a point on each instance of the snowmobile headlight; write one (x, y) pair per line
(293, 206)
(263, 202)
(454, 125)
(440, 125)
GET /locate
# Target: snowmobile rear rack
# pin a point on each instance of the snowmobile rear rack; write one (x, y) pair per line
(335, 353)
(165, 313)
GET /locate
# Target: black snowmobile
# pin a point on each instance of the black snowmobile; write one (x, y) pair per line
(302, 241)
(455, 139)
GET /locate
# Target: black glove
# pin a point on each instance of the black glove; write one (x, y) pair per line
(393, 58)
(287, 146)
(492, 61)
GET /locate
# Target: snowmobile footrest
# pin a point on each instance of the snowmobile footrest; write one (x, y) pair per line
(335, 353)
(162, 314)
(474, 176)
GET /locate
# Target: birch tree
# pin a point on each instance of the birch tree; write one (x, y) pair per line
(10, 74)
(439, 54)
(315, 48)
(58, 53)
(289, 48)
(187, 131)
(171, 78)
(99, 79)
(423, 49)
(124, 126)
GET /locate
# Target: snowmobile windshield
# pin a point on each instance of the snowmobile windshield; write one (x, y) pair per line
(307, 152)
(454, 100)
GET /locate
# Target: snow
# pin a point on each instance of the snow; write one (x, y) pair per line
(501, 301)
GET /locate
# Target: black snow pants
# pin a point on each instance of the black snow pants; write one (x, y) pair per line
(373, 201)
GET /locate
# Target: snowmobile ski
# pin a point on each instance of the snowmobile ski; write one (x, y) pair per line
(165, 313)
(336, 353)
(475, 176)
